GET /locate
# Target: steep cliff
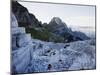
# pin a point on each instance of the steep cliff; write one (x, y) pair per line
(23, 16)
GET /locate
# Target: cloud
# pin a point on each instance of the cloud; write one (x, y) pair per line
(81, 21)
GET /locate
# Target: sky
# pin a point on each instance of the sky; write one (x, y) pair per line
(73, 15)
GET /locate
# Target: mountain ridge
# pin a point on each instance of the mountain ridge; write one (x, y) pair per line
(56, 30)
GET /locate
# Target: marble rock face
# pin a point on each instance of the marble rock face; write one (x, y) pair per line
(33, 55)
(21, 47)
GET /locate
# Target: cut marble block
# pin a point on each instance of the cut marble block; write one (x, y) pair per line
(17, 30)
(24, 40)
(16, 38)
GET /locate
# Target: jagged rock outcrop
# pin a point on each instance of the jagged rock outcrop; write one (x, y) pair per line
(57, 26)
(23, 16)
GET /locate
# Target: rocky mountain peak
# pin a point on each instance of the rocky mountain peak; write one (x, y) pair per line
(57, 20)
(56, 26)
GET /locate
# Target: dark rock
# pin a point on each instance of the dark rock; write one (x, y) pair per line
(49, 66)
(57, 26)
(23, 16)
